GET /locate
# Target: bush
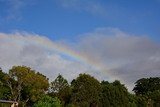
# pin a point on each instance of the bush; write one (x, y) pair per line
(47, 101)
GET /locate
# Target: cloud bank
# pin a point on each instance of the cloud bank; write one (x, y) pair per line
(127, 57)
(24, 49)
(119, 55)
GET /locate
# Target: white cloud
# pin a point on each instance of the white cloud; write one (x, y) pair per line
(23, 49)
(93, 7)
(118, 55)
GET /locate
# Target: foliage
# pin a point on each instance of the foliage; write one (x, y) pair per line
(61, 89)
(30, 85)
(29, 88)
(149, 88)
(114, 94)
(4, 89)
(47, 101)
(146, 85)
(85, 91)
(58, 84)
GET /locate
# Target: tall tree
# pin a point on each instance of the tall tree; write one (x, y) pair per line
(30, 84)
(114, 94)
(85, 91)
(61, 89)
(146, 85)
(4, 89)
(58, 84)
(150, 89)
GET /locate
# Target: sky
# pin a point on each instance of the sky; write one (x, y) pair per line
(109, 39)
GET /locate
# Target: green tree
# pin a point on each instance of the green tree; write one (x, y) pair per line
(58, 84)
(47, 101)
(146, 85)
(85, 91)
(114, 94)
(154, 98)
(4, 89)
(30, 85)
(149, 88)
(61, 89)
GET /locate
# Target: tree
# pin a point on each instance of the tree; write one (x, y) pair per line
(58, 84)
(155, 96)
(114, 94)
(147, 85)
(85, 91)
(47, 101)
(4, 89)
(30, 85)
(149, 88)
(61, 89)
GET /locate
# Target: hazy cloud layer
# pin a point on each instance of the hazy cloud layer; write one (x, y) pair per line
(119, 55)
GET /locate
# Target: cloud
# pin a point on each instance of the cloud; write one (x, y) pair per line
(12, 9)
(118, 55)
(93, 7)
(24, 49)
(126, 57)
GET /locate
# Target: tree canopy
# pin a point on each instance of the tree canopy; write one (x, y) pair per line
(31, 88)
(150, 89)
(26, 84)
(86, 90)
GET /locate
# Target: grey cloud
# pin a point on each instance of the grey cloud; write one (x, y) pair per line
(119, 55)
(23, 49)
(123, 56)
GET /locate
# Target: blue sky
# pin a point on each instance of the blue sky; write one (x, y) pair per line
(109, 39)
(66, 19)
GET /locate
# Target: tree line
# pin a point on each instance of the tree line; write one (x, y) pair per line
(33, 89)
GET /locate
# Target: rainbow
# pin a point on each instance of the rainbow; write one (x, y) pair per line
(60, 48)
